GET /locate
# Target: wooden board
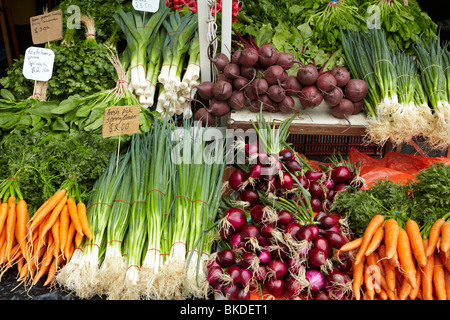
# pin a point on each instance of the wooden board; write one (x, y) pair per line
(319, 121)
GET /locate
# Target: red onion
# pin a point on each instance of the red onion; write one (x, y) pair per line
(313, 175)
(284, 217)
(275, 287)
(213, 263)
(292, 287)
(344, 263)
(213, 276)
(236, 241)
(315, 189)
(242, 294)
(246, 277)
(226, 257)
(322, 295)
(286, 181)
(322, 244)
(340, 174)
(251, 149)
(286, 154)
(235, 273)
(236, 217)
(329, 183)
(257, 213)
(266, 230)
(317, 257)
(293, 165)
(294, 265)
(316, 279)
(260, 274)
(328, 221)
(340, 187)
(278, 267)
(292, 228)
(229, 291)
(335, 239)
(307, 232)
(316, 204)
(250, 195)
(264, 256)
(237, 178)
(250, 231)
(304, 181)
(256, 171)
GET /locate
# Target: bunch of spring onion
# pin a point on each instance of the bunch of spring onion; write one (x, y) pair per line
(140, 29)
(431, 62)
(181, 32)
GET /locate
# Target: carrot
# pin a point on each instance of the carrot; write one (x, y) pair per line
(52, 270)
(439, 278)
(415, 239)
(447, 283)
(388, 268)
(369, 283)
(433, 236)
(358, 276)
(383, 295)
(391, 237)
(427, 276)
(73, 212)
(374, 271)
(52, 217)
(406, 258)
(376, 241)
(64, 221)
(81, 209)
(415, 292)
(21, 227)
(55, 233)
(352, 245)
(10, 225)
(51, 203)
(78, 238)
(444, 259)
(70, 236)
(405, 290)
(3, 214)
(445, 237)
(372, 227)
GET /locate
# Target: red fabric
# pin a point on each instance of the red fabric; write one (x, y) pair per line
(396, 166)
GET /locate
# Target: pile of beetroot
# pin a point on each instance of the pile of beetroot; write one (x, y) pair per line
(279, 240)
(262, 77)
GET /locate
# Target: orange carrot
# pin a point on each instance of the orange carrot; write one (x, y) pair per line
(10, 225)
(406, 258)
(447, 282)
(433, 236)
(415, 292)
(444, 259)
(372, 227)
(445, 237)
(383, 295)
(81, 209)
(415, 239)
(439, 278)
(51, 203)
(78, 238)
(374, 271)
(391, 237)
(358, 279)
(70, 236)
(64, 221)
(376, 241)
(427, 276)
(369, 284)
(55, 233)
(21, 227)
(52, 217)
(73, 212)
(388, 268)
(52, 270)
(405, 290)
(3, 214)
(352, 245)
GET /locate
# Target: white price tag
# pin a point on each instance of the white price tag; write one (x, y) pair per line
(146, 5)
(38, 64)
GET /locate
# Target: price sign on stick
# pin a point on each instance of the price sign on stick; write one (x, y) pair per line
(146, 5)
(38, 64)
(119, 120)
(47, 27)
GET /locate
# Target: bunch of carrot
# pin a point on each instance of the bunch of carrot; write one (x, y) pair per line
(393, 260)
(40, 243)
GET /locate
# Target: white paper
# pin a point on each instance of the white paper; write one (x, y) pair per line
(38, 64)
(146, 5)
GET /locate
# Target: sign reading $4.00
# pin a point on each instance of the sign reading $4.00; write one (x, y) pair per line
(119, 120)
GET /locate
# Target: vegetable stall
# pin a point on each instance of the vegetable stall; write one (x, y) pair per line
(159, 160)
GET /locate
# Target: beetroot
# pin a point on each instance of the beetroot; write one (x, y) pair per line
(286, 60)
(286, 105)
(248, 57)
(268, 55)
(326, 82)
(342, 76)
(276, 93)
(203, 116)
(220, 61)
(260, 86)
(235, 56)
(274, 74)
(205, 89)
(232, 71)
(240, 83)
(237, 100)
(310, 97)
(359, 106)
(343, 110)
(356, 90)
(291, 85)
(222, 90)
(333, 97)
(307, 75)
(248, 72)
(218, 108)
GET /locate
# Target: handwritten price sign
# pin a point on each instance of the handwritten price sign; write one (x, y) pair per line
(38, 64)
(119, 120)
(146, 5)
(47, 27)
